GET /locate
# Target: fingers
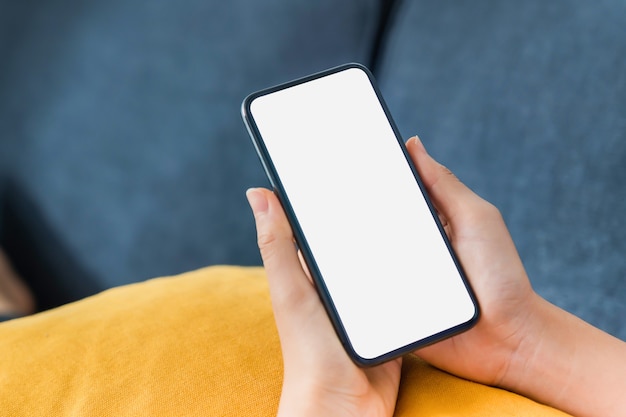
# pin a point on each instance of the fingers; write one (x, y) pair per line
(289, 286)
(449, 195)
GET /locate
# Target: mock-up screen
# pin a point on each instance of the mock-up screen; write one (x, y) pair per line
(379, 252)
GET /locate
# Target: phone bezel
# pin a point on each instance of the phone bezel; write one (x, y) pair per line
(301, 241)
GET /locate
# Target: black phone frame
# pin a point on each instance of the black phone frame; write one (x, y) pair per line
(301, 241)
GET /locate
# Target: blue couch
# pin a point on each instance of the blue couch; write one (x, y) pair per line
(123, 156)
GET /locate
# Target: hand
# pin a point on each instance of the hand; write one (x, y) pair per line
(319, 377)
(521, 342)
(484, 247)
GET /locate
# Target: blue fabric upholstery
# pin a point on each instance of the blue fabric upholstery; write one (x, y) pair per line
(125, 118)
(120, 126)
(526, 103)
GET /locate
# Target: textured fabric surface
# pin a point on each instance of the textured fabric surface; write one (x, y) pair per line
(203, 343)
(120, 120)
(526, 103)
(123, 122)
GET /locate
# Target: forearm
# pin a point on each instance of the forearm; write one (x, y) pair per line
(569, 364)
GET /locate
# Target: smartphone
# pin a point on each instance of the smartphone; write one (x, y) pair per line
(368, 233)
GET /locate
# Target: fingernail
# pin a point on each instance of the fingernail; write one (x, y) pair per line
(257, 200)
(419, 143)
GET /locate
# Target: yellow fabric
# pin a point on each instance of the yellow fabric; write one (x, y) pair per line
(200, 344)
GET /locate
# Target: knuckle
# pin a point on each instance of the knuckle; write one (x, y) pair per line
(266, 239)
(444, 176)
(491, 211)
(446, 171)
(485, 212)
(272, 247)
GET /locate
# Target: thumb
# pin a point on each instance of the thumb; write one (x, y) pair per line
(449, 195)
(287, 281)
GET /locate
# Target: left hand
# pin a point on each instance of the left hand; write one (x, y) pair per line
(319, 377)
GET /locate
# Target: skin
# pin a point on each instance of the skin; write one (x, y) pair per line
(15, 298)
(319, 377)
(521, 342)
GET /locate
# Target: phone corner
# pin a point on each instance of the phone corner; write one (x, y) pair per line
(476, 316)
(246, 103)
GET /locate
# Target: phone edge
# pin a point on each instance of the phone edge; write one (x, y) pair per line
(323, 292)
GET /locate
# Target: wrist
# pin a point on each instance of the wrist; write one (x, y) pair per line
(311, 402)
(311, 398)
(300, 397)
(568, 364)
(540, 361)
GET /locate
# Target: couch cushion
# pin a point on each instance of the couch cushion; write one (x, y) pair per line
(200, 344)
(124, 118)
(525, 102)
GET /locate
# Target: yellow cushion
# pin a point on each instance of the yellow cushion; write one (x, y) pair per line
(200, 344)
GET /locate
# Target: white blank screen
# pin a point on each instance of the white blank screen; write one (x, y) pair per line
(371, 233)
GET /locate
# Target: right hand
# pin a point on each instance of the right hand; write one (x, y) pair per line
(521, 342)
(486, 251)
